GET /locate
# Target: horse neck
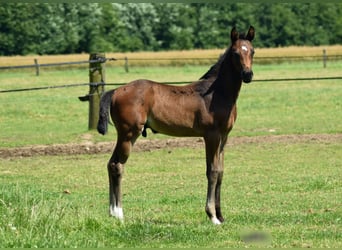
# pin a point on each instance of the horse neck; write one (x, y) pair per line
(228, 81)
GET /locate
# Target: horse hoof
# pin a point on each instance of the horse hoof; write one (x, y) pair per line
(116, 212)
(215, 221)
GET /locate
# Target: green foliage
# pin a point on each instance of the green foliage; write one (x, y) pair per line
(52, 28)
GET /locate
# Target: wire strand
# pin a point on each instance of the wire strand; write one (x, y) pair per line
(96, 84)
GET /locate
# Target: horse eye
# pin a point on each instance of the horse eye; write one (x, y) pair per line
(236, 54)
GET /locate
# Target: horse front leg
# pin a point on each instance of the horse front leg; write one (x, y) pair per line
(212, 207)
(218, 188)
(214, 159)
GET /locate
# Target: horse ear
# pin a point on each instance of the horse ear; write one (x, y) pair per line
(250, 33)
(234, 35)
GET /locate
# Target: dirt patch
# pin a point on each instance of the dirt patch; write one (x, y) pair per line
(154, 144)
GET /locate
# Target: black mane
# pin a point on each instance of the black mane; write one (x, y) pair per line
(213, 71)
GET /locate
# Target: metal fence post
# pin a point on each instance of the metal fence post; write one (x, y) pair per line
(96, 86)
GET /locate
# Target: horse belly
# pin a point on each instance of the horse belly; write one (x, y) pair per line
(175, 119)
(172, 127)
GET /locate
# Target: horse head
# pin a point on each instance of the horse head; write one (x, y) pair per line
(242, 53)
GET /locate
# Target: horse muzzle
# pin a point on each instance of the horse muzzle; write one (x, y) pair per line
(247, 76)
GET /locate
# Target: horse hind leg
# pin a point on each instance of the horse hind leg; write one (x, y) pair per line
(115, 172)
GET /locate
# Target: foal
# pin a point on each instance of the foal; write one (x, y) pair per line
(205, 108)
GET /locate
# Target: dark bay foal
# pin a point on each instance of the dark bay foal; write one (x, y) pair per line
(205, 108)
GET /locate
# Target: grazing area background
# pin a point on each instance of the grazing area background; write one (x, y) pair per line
(282, 165)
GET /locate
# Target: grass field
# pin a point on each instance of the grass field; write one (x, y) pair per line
(290, 191)
(279, 189)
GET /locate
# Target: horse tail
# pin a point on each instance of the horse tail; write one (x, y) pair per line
(102, 125)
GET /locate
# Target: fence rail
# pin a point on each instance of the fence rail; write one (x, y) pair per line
(38, 65)
(267, 59)
(316, 57)
(95, 84)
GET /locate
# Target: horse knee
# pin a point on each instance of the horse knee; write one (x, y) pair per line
(115, 169)
(214, 175)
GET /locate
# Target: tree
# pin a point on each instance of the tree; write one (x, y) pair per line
(61, 28)
(18, 28)
(136, 26)
(173, 29)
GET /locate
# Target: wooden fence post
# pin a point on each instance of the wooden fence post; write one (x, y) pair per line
(324, 58)
(37, 66)
(126, 64)
(96, 86)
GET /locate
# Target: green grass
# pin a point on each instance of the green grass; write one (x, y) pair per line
(290, 108)
(280, 189)
(57, 116)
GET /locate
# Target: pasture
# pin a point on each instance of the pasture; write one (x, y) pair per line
(282, 167)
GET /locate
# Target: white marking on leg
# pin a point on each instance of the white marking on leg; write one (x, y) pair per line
(243, 47)
(215, 221)
(116, 212)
